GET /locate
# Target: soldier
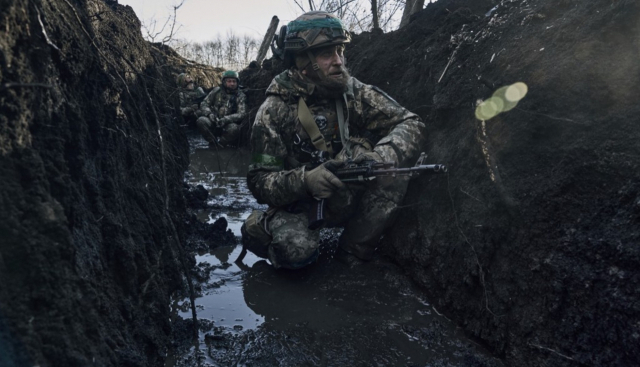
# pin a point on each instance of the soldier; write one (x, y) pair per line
(222, 111)
(315, 106)
(190, 97)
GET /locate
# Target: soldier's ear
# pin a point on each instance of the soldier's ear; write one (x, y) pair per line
(304, 71)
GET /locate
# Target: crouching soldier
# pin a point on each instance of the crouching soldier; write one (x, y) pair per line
(223, 110)
(190, 97)
(316, 109)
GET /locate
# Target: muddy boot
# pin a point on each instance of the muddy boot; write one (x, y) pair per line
(204, 127)
(254, 236)
(230, 135)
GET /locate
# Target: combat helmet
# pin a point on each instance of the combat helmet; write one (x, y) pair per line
(231, 74)
(311, 30)
(180, 80)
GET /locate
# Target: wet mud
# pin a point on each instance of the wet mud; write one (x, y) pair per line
(528, 245)
(328, 314)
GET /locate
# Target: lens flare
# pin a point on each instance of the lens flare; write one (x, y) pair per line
(504, 99)
(516, 92)
(489, 108)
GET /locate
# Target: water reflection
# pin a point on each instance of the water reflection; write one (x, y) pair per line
(222, 299)
(223, 173)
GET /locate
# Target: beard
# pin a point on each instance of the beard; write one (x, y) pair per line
(329, 86)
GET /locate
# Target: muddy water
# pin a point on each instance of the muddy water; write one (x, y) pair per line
(327, 314)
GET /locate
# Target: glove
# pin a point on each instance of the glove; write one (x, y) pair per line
(367, 157)
(320, 182)
(186, 111)
(221, 123)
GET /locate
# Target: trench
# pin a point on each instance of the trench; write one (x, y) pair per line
(327, 314)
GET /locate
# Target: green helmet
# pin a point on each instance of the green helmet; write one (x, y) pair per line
(309, 31)
(180, 80)
(230, 74)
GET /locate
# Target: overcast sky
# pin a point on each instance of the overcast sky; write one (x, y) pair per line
(202, 20)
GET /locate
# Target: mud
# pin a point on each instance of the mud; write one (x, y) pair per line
(92, 162)
(528, 246)
(328, 314)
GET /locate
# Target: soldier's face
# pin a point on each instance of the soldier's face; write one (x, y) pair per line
(231, 83)
(330, 60)
(190, 83)
(333, 76)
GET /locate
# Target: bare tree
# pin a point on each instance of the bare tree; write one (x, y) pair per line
(360, 15)
(375, 20)
(151, 33)
(249, 45)
(411, 7)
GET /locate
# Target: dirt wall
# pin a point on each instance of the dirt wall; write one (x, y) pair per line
(91, 162)
(530, 242)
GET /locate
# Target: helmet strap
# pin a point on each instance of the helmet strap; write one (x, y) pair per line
(314, 63)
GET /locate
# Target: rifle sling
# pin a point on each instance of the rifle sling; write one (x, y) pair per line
(344, 127)
(309, 125)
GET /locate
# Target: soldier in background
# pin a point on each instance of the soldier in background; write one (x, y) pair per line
(190, 97)
(222, 111)
(316, 107)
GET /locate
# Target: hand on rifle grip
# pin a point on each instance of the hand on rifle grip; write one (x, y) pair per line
(320, 182)
(368, 157)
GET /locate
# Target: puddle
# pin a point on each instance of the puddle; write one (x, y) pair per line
(223, 301)
(326, 314)
(229, 196)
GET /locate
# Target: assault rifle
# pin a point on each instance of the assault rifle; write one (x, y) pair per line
(367, 171)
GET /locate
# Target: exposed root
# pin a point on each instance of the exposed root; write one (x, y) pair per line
(44, 32)
(552, 351)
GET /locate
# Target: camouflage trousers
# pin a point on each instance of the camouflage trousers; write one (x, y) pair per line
(227, 135)
(364, 212)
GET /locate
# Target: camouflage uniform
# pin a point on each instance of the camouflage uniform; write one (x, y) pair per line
(279, 161)
(189, 101)
(229, 108)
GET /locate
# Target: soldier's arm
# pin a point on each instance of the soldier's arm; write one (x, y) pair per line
(267, 179)
(200, 92)
(183, 99)
(401, 132)
(205, 105)
(237, 117)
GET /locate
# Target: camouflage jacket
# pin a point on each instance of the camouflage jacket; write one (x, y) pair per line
(278, 140)
(190, 97)
(232, 107)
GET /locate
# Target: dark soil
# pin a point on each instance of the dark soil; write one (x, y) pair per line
(91, 162)
(530, 243)
(540, 262)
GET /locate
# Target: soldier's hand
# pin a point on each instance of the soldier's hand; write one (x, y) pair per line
(368, 157)
(320, 182)
(221, 122)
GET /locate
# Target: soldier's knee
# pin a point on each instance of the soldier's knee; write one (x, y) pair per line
(293, 253)
(203, 122)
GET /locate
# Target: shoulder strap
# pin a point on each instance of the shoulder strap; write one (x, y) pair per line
(343, 124)
(309, 125)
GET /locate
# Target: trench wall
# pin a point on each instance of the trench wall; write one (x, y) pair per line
(91, 165)
(530, 242)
